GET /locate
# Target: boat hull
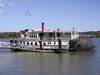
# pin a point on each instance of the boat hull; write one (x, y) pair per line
(40, 50)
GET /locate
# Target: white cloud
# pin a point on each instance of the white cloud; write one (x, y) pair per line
(11, 3)
(6, 3)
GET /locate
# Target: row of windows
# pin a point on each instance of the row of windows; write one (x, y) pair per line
(27, 43)
(36, 43)
(33, 35)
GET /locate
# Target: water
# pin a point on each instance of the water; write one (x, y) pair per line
(30, 63)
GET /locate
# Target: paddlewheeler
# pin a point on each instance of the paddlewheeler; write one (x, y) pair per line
(43, 41)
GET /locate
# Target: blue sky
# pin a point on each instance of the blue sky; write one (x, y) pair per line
(84, 15)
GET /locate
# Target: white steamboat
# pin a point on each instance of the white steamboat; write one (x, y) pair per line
(43, 41)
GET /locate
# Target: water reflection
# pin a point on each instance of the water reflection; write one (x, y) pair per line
(50, 64)
(30, 63)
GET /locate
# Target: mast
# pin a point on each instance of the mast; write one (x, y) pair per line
(73, 33)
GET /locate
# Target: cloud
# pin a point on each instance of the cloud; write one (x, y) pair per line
(6, 3)
(11, 3)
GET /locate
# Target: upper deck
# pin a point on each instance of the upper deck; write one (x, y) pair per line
(48, 35)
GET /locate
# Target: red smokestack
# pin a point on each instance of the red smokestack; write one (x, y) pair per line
(42, 26)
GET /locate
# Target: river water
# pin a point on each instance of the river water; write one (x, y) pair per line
(31, 63)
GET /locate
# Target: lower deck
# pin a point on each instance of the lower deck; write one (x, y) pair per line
(41, 45)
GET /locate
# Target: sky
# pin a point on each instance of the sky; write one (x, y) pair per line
(83, 15)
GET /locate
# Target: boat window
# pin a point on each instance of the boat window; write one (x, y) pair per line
(54, 42)
(31, 43)
(15, 41)
(49, 42)
(23, 42)
(36, 43)
(44, 44)
(11, 41)
(27, 43)
(36, 35)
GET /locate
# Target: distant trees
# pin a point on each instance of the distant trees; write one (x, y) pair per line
(9, 35)
(97, 34)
